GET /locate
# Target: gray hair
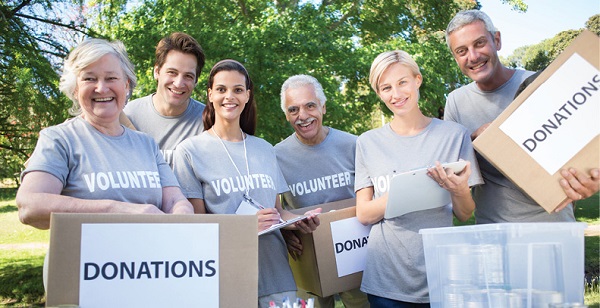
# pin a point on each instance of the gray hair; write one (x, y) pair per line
(85, 54)
(468, 17)
(385, 60)
(298, 81)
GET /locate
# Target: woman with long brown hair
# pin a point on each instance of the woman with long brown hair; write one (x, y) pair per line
(226, 168)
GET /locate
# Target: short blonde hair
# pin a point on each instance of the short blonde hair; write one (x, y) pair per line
(85, 54)
(384, 60)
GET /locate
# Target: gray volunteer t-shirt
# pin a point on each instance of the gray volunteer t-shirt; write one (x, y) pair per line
(395, 266)
(92, 165)
(205, 171)
(167, 131)
(319, 173)
(498, 200)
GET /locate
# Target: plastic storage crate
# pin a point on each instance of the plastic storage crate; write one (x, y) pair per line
(520, 265)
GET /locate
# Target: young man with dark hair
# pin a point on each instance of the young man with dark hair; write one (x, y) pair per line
(170, 115)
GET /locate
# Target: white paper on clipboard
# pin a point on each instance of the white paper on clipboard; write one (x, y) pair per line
(283, 224)
(415, 191)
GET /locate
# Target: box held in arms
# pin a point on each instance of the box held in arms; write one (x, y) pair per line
(505, 265)
(119, 260)
(334, 255)
(553, 124)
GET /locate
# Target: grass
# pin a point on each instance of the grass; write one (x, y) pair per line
(592, 270)
(13, 231)
(21, 277)
(21, 265)
(592, 286)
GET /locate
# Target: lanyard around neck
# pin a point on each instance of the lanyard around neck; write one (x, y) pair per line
(231, 159)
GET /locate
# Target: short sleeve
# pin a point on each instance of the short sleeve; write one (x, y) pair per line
(361, 179)
(50, 155)
(183, 166)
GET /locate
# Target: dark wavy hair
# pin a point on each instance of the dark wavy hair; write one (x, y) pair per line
(181, 42)
(248, 116)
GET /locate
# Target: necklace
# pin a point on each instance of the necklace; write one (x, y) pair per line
(246, 195)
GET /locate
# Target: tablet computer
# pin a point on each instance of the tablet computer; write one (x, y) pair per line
(415, 191)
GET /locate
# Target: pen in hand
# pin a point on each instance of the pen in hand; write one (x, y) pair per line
(260, 207)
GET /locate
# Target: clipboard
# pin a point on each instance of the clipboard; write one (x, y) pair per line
(283, 224)
(249, 207)
(415, 191)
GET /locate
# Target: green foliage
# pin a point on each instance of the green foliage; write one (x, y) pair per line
(30, 46)
(538, 56)
(515, 59)
(335, 41)
(8, 193)
(539, 62)
(517, 5)
(593, 24)
(561, 41)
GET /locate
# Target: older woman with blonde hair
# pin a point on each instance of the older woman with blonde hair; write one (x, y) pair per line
(91, 163)
(395, 275)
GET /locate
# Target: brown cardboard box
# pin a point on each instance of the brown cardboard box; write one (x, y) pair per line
(515, 162)
(315, 270)
(238, 276)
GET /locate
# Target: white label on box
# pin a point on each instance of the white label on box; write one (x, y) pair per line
(560, 117)
(149, 265)
(350, 245)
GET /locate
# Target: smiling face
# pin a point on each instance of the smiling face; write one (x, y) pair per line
(304, 112)
(399, 89)
(228, 95)
(176, 81)
(475, 50)
(102, 89)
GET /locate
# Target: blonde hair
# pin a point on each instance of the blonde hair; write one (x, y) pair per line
(85, 54)
(384, 60)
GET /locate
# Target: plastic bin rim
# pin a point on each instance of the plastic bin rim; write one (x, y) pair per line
(506, 226)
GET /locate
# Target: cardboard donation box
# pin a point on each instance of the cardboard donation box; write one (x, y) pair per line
(119, 260)
(334, 255)
(553, 124)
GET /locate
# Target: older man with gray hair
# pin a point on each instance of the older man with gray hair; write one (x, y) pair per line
(314, 153)
(474, 43)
